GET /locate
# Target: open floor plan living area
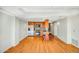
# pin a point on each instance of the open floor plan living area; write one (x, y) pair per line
(39, 29)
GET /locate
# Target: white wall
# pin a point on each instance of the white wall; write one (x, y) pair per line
(12, 31)
(23, 29)
(20, 30)
(60, 29)
(6, 32)
(74, 21)
(17, 31)
(68, 30)
(52, 28)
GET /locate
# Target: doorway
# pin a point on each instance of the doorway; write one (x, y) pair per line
(37, 29)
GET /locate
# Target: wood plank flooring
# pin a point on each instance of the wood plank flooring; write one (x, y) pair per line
(39, 45)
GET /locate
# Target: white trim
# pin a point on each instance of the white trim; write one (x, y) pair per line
(6, 12)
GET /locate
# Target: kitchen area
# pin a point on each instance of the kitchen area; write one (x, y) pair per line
(39, 29)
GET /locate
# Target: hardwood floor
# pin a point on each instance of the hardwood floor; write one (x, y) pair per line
(38, 45)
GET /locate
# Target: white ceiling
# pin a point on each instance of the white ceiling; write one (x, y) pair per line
(40, 13)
